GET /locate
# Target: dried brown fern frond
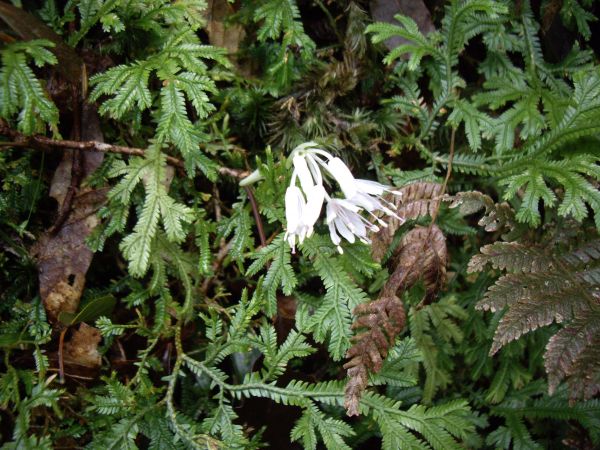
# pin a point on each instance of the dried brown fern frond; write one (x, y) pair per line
(544, 285)
(421, 256)
(415, 200)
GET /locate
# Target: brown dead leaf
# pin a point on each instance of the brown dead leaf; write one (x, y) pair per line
(63, 258)
(385, 10)
(286, 306)
(285, 319)
(82, 348)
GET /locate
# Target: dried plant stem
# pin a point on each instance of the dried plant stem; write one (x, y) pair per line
(447, 178)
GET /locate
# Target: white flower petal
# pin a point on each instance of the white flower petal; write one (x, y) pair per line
(294, 208)
(301, 168)
(344, 231)
(331, 214)
(355, 223)
(370, 187)
(313, 166)
(347, 204)
(365, 201)
(302, 234)
(291, 240)
(343, 176)
(312, 211)
(344, 217)
(333, 235)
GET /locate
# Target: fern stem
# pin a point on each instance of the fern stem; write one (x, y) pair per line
(447, 178)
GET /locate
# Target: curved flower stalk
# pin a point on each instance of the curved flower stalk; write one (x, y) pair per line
(313, 167)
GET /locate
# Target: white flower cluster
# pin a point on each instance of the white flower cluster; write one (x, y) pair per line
(303, 204)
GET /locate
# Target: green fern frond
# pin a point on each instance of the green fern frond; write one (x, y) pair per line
(221, 422)
(168, 253)
(411, 102)
(276, 358)
(570, 174)
(21, 91)
(434, 327)
(175, 126)
(462, 20)
(121, 435)
(419, 427)
(419, 46)
(514, 435)
(129, 86)
(571, 11)
(239, 224)
(467, 163)
(332, 431)
(279, 17)
(276, 17)
(467, 113)
(399, 367)
(155, 426)
(556, 407)
(279, 273)
(203, 228)
(332, 318)
(580, 119)
(157, 203)
(439, 425)
(183, 73)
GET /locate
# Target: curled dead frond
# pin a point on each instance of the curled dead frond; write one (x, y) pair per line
(381, 321)
(421, 256)
(498, 216)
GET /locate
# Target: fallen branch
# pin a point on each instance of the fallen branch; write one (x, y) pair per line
(44, 143)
